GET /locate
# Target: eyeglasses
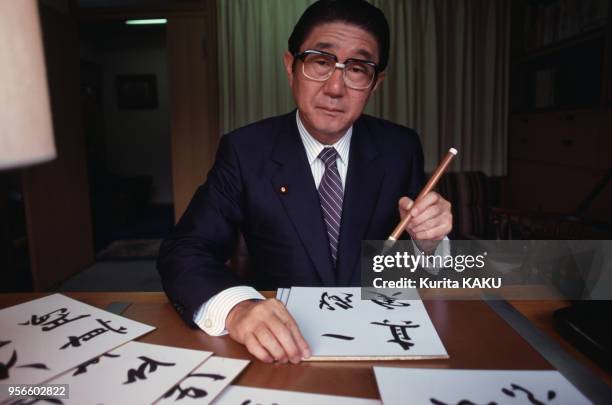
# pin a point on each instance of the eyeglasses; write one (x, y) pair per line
(319, 66)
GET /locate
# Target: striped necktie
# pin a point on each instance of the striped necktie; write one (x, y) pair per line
(330, 195)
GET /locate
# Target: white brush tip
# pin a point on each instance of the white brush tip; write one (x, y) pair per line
(453, 151)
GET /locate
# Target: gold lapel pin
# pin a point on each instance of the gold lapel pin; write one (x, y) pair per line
(284, 190)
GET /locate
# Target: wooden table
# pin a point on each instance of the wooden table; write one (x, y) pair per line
(474, 336)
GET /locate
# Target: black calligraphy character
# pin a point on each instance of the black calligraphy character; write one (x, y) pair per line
(336, 336)
(509, 392)
(192, 392)
(214, 377)
(248, 402)
(530, 396)
(389, 302)
(4, 368)
(75, 341)
(82, 368)
(61, 319)
(139, 374)
(399, 332)
(461, 402)
(344, 303)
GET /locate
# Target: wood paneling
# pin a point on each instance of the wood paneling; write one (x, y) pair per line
(537, 186)
(7, 275)
(556, 159)
(194, 110)
(152, 9)
(56, 194)
(570, 139)
(607, 96)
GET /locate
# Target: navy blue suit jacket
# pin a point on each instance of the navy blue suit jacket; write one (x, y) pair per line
(285, 232)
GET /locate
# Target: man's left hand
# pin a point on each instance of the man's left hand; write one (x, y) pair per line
(431, 220)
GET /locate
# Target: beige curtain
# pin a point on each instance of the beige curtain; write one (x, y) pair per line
(253, 36)
(447, 75)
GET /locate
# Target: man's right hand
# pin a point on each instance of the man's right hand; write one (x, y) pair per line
(268, 331)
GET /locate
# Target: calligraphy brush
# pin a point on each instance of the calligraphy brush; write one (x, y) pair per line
(433, 180)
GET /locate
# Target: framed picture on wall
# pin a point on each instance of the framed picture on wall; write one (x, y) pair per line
(137, 92)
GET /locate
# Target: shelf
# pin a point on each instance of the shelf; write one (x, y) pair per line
(592, 35)
(560, 109)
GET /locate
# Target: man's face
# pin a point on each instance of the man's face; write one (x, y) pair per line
(328, 109)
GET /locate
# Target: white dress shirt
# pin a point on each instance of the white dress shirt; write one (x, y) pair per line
(212, 314)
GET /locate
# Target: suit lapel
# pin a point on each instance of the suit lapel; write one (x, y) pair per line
(300, 199)
(364, 178)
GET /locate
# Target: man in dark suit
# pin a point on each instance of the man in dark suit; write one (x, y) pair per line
(304, 189)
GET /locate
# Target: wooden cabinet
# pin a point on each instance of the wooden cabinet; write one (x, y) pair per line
(557, 159)
(570, 138)
(560, 126)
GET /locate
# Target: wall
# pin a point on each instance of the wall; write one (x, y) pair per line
(194, 100)
(137, 141)
(56, 194)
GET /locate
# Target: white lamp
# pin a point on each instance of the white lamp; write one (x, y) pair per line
(26, 130)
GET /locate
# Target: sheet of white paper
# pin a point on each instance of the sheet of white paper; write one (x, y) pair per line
(205, 383)
(337, 323)
(42, 338)
(426, 386)
(135, 373)
(236, 394)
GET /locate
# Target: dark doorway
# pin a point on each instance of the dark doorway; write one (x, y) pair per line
(124, 90)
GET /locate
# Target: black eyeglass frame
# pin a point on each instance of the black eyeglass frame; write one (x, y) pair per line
(302, 56)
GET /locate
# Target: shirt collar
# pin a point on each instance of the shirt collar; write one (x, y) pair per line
(314, 147)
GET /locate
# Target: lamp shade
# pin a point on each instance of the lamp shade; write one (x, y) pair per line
(26, 130)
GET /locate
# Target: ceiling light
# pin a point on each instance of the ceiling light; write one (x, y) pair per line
(150, 21)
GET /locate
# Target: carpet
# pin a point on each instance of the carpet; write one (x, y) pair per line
(130, 249)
